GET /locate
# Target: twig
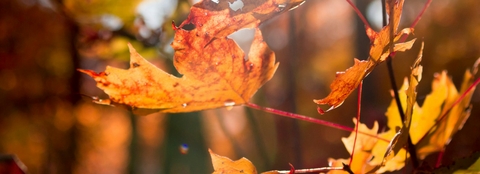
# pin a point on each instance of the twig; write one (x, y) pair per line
(312, 170)
(359, 106)
(415, 22)
(410, 145)
(360, 15)
(309, 119)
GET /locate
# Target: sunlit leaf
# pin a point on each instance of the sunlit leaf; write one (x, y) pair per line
(362, 152)
(347, 81)
(223, 164)
(214, 70)
(440, 136)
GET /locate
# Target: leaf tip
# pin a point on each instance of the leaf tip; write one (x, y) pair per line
(130, 48)
(320, 110)
(88, 72)
(475, 66)
(292, 169)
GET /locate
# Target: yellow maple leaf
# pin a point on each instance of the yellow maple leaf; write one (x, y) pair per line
(223, 165)
(441, 134)
(362, 152)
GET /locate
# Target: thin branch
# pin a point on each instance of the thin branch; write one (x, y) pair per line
(360, 15)
(309, 119)
(439, 158)
(384, 14)
(410, 145)
(417, 19)
(312, 170)
(359, 106)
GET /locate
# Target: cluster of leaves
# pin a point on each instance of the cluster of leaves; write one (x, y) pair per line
(217, 73)
(431, 126)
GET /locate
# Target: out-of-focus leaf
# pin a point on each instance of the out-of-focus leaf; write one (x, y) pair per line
(102, 11)
(470, 164)
(349, 80)
(474, 168)
(223, 165)
(440, 135)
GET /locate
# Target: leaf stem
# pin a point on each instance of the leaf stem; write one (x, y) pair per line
(417, 19)
(309, 119)
(312, 170)
(360, 15)
(359, 106)
(439, 158)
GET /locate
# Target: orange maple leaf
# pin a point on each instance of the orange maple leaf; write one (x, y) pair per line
(381, 42)
(215, 72)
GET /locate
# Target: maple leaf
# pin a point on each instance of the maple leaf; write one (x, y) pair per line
(381, 43)
(363, 148)
(213, 67)
(368, 152)
(223, 164)
(441, 134)
(469, 164)
(218, 19)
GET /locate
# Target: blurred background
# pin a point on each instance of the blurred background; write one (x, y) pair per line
(47, 123)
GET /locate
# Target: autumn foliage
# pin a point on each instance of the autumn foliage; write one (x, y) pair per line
(216, 72)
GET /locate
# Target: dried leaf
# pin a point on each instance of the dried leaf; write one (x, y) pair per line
(223, 164)
(221, 18)
(215, 73)
(401, 137)
(393, 152)
(347, 81)
(397, 162)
